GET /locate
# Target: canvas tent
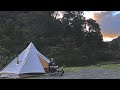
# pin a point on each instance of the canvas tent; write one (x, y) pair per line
(29, 61)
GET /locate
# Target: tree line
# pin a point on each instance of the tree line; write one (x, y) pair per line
(66, 39)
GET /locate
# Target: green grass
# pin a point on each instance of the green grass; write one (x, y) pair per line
(109, 66)
(72, 69)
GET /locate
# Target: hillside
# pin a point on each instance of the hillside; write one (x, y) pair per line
(115, 42)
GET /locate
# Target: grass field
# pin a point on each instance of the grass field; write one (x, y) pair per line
(109, 66)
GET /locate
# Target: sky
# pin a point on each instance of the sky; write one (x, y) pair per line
(109, 22)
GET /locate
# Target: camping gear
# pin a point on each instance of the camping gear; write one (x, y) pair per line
(54, 69)
(30, 62)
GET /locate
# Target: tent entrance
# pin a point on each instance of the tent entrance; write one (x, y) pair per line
(44, 64)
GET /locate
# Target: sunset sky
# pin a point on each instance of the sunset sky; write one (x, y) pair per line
(109, 22)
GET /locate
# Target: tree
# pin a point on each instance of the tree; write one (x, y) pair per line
(94, 36)
(74, 25)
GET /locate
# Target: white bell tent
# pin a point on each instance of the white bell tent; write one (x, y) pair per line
(29, 61)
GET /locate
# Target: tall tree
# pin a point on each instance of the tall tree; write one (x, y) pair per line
(94, 36)
(74, 25)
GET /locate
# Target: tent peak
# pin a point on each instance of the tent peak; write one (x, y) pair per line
(31, 45)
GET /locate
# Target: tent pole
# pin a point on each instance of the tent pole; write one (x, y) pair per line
(17, 60)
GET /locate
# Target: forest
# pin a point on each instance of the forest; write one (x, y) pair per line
(71, 40)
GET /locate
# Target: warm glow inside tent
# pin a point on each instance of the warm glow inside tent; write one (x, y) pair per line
(30, 61)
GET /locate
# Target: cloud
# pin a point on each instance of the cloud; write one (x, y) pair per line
(109, 22)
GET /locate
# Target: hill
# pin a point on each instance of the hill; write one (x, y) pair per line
(115, 42)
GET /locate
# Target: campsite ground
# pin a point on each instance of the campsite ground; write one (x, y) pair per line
(111, 71)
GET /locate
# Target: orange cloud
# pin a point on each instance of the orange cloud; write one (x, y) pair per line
(110, 35)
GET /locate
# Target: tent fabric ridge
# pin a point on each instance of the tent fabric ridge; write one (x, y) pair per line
(25, 62)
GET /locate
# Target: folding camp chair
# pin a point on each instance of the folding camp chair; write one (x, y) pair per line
(56, 70)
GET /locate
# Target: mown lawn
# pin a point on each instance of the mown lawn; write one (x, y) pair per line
(109, 66)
